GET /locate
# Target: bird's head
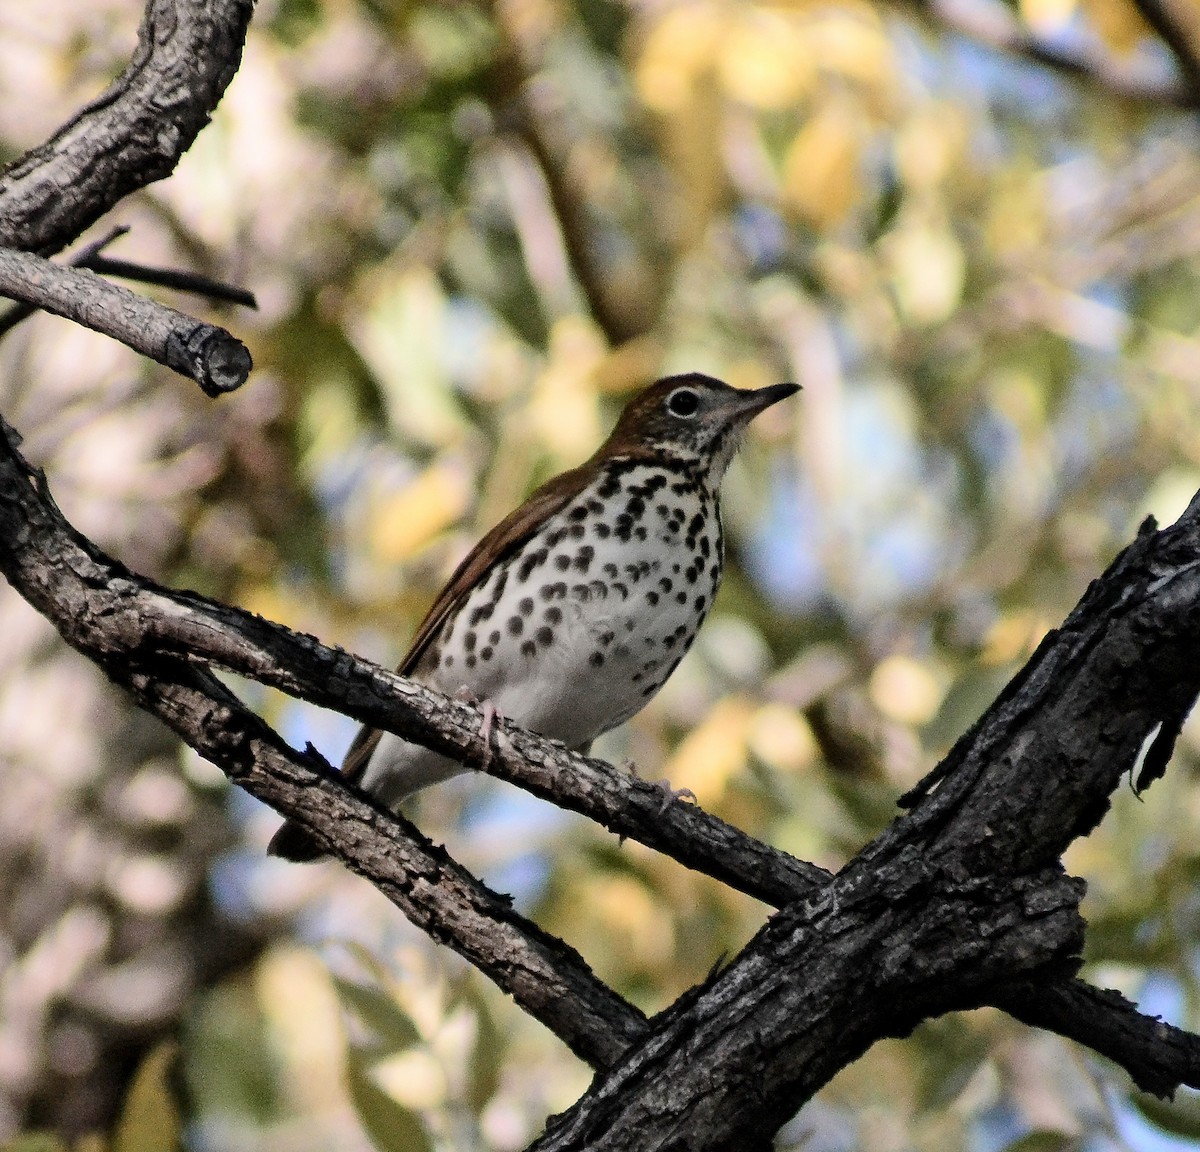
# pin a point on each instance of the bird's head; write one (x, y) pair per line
(691, 417)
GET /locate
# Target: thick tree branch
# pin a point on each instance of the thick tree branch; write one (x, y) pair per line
(124, 618)
(124, 621)
(875, 953)
(134, 133)
(211, 356)
(546, 977)
(1157, 1055)
(72, 583)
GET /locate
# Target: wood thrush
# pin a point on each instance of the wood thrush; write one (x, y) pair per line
(573, 611)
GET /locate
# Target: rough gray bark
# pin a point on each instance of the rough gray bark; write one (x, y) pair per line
(132, 134)
(216, 360)
(961, 902)
(72, 1045)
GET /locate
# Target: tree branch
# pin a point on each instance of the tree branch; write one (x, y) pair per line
(134, 133)
(80, 591)
(126, 622)
(1171, 29)
(1157, 1055)
(995, 25)
(211, 356)
(546, 977)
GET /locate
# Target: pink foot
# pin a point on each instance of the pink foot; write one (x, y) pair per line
(670, 795)
(490, 715)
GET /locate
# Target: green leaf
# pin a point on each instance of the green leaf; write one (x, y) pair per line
(379, 1014)
(1180, 1117)
(391, 1126)
(150, 1120)
(36, 1142)
(487, 1056)
(1045, 1142)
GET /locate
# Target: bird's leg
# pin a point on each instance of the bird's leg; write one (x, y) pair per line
(490, 715)
(670, 795)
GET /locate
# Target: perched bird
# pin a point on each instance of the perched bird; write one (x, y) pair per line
(573, 611)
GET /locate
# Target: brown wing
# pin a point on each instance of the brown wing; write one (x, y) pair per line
(501, 542)
(291, 842)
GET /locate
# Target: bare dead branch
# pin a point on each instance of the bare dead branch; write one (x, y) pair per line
(1157, 1055)
(132, 134)
(211, 356)
(75, 585)
(180, 279)
(133, 628)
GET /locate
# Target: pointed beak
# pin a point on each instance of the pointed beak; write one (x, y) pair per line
(747, 405)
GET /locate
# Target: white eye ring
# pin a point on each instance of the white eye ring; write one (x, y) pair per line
(684, 403)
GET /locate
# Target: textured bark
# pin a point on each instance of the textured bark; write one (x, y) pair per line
(132, 134)
(216, 360)
(123, 974)
(961, 902)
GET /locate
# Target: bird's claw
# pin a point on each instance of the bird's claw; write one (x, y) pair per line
(670, 795)
(488, 724)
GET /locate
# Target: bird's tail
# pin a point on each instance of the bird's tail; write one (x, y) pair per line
(291, 842)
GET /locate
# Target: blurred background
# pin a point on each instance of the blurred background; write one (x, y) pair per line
(969, 228)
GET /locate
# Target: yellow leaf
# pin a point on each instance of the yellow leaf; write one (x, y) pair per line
(714, 752)
(399, 330)
(150, 1120)
(1118, 23)
(405, 521)
(905, 690)
(563, 408)
(821, 168)
(781, 736)
(928, 271)
(630, 912)
(853, 42)
(301, 1009)
(1047, 17)
(765, 61)
(680, 47)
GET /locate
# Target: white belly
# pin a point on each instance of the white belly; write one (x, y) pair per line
(578, 632)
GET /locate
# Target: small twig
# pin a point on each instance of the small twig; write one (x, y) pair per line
(1158, 14)
(994, 25)
(211, 356)
(89, 256)
(180, 279)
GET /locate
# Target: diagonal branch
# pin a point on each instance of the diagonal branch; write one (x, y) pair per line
(126, 618)
(126, 622)
(1171, 28)
(211, 356)
(994, 25)
(1157, 1055)
(134, 133)
(546, 977)
(79, 589)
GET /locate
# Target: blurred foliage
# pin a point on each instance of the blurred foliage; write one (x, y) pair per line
(472, 231)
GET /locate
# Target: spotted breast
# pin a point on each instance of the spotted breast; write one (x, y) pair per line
(573, 611)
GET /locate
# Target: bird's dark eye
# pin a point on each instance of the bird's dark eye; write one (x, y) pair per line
(683, 402)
